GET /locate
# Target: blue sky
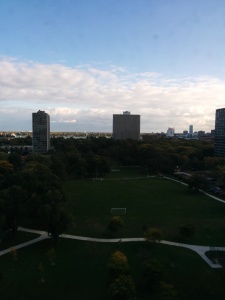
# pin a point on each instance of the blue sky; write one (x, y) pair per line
(82, 61)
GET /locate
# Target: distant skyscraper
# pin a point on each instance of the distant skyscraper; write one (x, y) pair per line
(126, 126)
(191, 129)
(41, 131)
(170, 132)
(219, 137)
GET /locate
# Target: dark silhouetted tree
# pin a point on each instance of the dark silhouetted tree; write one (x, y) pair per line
(123, 288)
(167, 291)
(151, 275)
(118, 264)
(115, 224)
(153, 234)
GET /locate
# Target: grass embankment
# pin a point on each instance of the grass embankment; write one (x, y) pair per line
(80, 271)
(149, 202)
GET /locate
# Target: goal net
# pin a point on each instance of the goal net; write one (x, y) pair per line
(118, 211)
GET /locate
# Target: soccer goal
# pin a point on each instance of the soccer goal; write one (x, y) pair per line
(118, 211)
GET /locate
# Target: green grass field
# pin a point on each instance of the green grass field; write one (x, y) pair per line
(149, 202)
(80, 271)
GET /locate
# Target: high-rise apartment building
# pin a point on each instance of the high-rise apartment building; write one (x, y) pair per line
(191, 129)
(126, 126)
(170, 132)
(219, 137)
(41, 131)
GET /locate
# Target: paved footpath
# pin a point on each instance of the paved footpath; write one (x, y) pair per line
(200, 250)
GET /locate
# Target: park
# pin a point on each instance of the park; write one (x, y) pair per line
(150, 202)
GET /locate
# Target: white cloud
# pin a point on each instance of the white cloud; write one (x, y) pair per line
(64, 121)
(85, 97)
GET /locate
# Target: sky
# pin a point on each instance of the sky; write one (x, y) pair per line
(83, 61)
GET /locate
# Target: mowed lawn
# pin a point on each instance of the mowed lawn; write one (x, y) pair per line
(80, 271)
(150, 202)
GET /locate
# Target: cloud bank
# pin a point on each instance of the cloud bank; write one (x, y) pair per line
(84, 98)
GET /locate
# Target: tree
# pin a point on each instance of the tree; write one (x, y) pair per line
(53, 215)
(6, 168)
(115, 224)
(58, 166)
(12, 205)
(3, 155)
(51, 256)
(196, 182)
(39, 158)
(44, 201)
(221, 175)
(154, 234)
(103, 165)
(167, 292)
(15, 159)
(118, 264)
(123, 288)
(187, 230)
(97, 165)
(151, 275)
(2, 219)
(75, 164)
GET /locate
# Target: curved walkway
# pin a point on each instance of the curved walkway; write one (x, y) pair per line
(200, 250)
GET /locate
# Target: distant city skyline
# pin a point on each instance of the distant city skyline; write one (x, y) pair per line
(83, 61)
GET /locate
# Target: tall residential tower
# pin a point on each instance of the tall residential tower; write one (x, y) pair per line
(191, 129)
(219, 138)
(126, 126)
(41, 131)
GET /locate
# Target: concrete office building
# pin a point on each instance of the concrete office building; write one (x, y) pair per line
(126, 126)
(219, 137)
(41, 131)
(191, 129)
